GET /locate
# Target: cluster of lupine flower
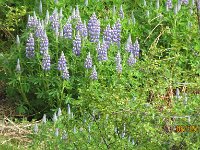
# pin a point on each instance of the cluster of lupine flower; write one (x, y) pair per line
(111, 36)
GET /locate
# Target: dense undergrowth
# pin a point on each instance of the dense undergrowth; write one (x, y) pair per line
(124, 79)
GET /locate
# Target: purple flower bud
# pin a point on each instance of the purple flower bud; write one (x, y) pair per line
(94, 28)
(107, 34)
(84, 30)
(68, 110)
(131, 60)
(18, 68)
(94, 74)
(46, 62)
(65, 74)
(39, 32)
(40, 7)
(169, 4)
(102, 53)
(79, 27)
(77, 45)
(62, 63)
(32, 21)
(30, 47)
(67, 30)
(44, 44)
(88, 61)
(77, 13)
(54, 18)
(121, 12)
(129, 47)
(119, 67)
(185, 2)
(116, 37)
(136, 48)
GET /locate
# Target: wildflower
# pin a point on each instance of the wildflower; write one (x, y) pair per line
(119, 67)
(77, 45)
(61, 14)
(175, 9)
(17, 40)
(121, 12)
(133, 18)
(79, 27)
(59, 112)
(36, 128)
(55, 118)
(185, 2)
(54, 18)
(98, 48)
(65, 74)
(131, 60)
(84, 30)
(118, 58)
(44, 44)
(40, 7)
(39, 32)
(116, 37)
(102, 53)
(18, 68)
(94, 73)
(107, 34)
(67, 30)
(136, 48)
(77, 13)
(32, 21)
(88, 61)
(169, 4)
(57, 132)
(44, 119)
(62, 62)
(129, 47)
(46, 62)
(30, 47)
(94, 28)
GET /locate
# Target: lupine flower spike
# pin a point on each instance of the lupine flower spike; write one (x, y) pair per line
(88, 62)
(67, 30)
(94, 28)
(119, 67)
(129, 47)
(121, 12)
(40, 7)
(131, 60)
(55, 118)
(57, 132)
(44, 44)
(30, 47)
(136, 48)
(64, 135)
(46, 62)
(107, 34)
(62, 63)
(94, 74)
(36, 128)
(68, 110)
(118, 58)
(18, 68)
(59, 112)
(44, 119)
(77, 45)
(65, 74)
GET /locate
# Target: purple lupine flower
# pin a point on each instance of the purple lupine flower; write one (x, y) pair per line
(118, 58)
(39, 32)
(18, 67)
(131, 60)
(136, 48)
(94, 28)
(65, 74)
(40, 7)
(77, 13)
(102, 53)
(107, 34)
(121, 12)
(169, 4)
(54, 18)
(77, 45)
(98, 48)
(79, 27)
(185, 2)
(73, 13)
(119, 67)
(94, 74)
(67, 30)
(84, 30)
(46, 61)
(129, 46)
(32, 21)
(44, 44)
(62, 63)
(88, 62)
(30, 46)
(116, 37)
